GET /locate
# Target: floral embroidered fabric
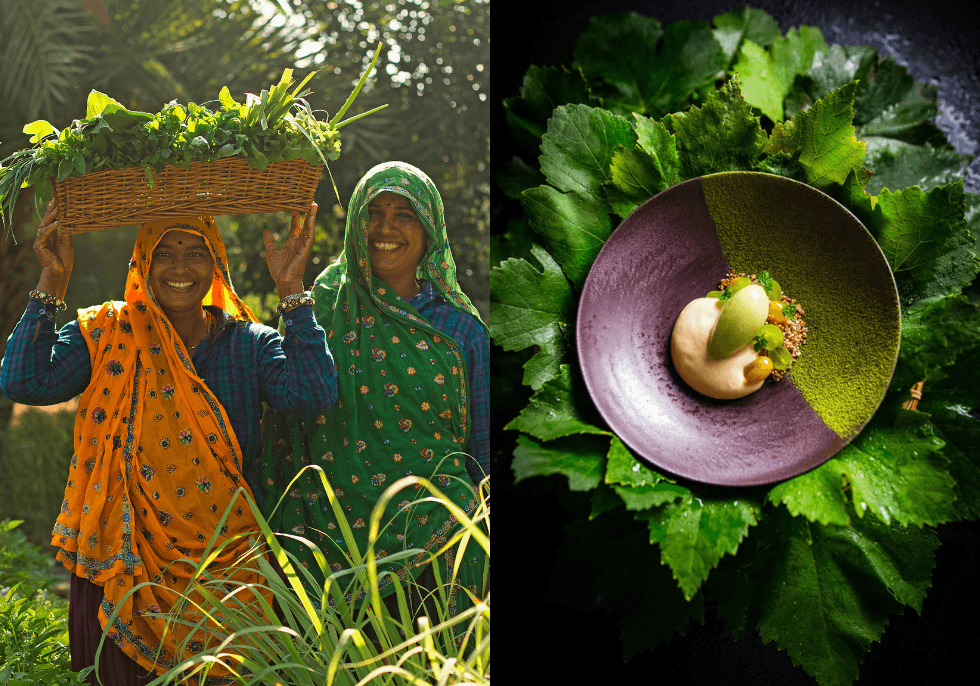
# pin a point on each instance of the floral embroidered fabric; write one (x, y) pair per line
(156, 463)
(403, 409)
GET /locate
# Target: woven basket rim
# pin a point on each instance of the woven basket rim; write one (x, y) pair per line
(109, 198)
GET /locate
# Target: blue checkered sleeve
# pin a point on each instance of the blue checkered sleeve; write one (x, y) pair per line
(466, 330)
(296, 370)
(249, 364)
(42, 366)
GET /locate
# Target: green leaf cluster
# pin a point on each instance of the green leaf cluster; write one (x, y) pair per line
(274, 126)
(33, 622)
(815, 563)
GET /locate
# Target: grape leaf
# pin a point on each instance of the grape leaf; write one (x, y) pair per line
(578, 147)
(824, 135)
(898, 473)
(635, 179)
(817, 494)
(696, 532)
(951, 404)
(916, 224)
(767, 75)
(934, 335)
(744, 22)
(641, 172)
(887, 101)
(625, 69)
(531, 308)
(973, 220)
(557, 410)
(580, 460)
(893, 103)
(722, 135)
(636, 71)
(926, 240)
(894, 469)
(830, 589)
(823, 593)
(898, 165)
(639, 486)
(961, 432)
(831, 70)
(516, 176)
(691, 57)
(572, 226)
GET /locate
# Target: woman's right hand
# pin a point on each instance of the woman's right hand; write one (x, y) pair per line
(55, 253)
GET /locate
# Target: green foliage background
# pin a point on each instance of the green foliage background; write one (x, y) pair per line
(817, 563)
(434, 74)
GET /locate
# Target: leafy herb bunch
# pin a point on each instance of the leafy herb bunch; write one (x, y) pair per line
(834, 551)
(276, 125)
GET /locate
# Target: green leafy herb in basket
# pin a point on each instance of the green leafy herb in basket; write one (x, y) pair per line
(276, 125)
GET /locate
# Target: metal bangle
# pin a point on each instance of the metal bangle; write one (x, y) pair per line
(294, 300)
(48, 299)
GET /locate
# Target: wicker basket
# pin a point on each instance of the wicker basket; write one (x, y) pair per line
(106, 199)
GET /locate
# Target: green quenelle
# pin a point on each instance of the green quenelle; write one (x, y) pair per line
(740, 319)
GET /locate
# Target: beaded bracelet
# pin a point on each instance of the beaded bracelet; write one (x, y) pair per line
(294, 300)
(48, 299)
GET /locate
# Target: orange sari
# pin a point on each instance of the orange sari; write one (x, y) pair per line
(156, 465)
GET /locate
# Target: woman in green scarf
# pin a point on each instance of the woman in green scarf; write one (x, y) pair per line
(412, 358)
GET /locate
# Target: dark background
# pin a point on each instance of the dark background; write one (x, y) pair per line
(938, 42)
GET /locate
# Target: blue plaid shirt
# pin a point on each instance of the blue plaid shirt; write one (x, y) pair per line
(245, 365)
(470, 334)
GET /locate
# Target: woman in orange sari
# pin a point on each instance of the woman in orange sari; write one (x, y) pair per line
(172, 382)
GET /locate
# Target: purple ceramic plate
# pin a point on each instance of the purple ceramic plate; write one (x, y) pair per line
(676, 247)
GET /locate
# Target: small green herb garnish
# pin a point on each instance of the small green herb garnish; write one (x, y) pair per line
(765, 280)
(789, 310)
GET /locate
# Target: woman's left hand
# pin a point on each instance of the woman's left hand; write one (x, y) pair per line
(288, 263)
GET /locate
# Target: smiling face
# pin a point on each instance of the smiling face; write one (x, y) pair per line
(397, 240)
(181, 271)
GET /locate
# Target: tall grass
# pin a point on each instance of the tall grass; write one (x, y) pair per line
(322, 633)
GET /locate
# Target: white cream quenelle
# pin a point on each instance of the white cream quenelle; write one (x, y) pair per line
(691, 344)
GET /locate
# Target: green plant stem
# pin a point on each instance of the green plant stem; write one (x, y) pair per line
(357, 89)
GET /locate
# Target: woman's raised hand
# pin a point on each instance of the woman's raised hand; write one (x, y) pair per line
(55, 252)
(288, 263)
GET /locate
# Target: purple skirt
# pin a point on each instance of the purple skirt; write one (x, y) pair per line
(116, 668)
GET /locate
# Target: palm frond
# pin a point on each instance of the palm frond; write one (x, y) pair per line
(44, 54)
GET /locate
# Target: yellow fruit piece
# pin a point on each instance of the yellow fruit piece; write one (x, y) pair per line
(758, 369)
(776, 312)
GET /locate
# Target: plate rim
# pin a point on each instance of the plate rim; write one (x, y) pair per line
(844, 441)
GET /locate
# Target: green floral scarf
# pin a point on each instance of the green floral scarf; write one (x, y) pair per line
(402, 409)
